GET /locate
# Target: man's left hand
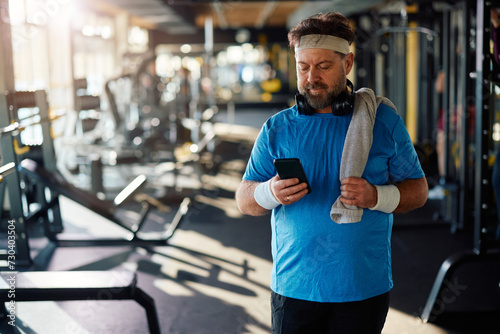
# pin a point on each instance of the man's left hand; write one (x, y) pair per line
(359, 192)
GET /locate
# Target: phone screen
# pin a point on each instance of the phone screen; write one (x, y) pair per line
(291, 168)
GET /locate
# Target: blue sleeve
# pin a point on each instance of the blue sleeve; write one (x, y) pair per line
(404, 163)
(260, 166)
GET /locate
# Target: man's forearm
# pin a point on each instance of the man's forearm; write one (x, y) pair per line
(246, 201)
(413, 194)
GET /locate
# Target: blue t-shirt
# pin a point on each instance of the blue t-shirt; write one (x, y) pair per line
(315, 258)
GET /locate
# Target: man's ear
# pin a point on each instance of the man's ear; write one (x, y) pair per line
(349, 62)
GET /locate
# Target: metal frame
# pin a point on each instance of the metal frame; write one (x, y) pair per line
(484, 91)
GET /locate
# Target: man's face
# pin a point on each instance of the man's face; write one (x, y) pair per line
(321, 76)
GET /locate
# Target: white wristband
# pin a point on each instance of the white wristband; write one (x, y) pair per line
(387, 198)
(264, 196)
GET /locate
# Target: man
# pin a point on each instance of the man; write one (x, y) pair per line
(329, 277)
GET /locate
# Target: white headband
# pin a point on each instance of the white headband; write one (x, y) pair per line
(328, 42)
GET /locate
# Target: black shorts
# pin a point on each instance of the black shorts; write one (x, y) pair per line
(295, 316)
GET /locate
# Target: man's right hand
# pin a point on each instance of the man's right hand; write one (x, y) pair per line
(288, 191)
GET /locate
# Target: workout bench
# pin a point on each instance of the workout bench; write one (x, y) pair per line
(107, 209)
(33, 286)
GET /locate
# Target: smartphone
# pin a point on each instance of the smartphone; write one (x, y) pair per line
(291, 168)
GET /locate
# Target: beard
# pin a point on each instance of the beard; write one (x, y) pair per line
(322, 101)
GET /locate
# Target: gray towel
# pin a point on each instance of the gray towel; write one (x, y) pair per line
(357, 145)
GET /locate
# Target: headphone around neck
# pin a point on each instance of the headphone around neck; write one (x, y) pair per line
(343, 104)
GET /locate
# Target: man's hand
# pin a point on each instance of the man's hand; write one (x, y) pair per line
(288, 191)
(359, 192)
(285, 191)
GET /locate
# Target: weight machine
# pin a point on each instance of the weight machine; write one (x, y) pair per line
(13, 151)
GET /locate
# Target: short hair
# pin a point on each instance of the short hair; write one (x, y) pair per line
(332, 23)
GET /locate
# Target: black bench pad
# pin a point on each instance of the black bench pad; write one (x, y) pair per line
(77, 285)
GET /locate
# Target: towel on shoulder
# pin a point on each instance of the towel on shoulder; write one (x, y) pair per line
(357, 145)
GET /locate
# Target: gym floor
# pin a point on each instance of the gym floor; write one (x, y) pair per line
(214, 275)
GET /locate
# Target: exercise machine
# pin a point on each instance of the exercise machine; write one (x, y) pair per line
(484, 250)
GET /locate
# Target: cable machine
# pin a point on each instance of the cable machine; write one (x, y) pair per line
(397, 56)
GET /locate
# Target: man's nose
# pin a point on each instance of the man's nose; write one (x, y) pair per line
(313, 76)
